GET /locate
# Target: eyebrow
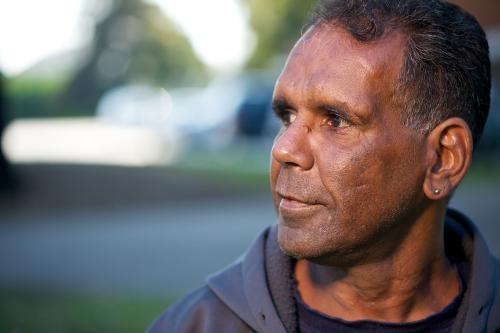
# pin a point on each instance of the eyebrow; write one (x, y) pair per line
(280, 104)
(339, 109)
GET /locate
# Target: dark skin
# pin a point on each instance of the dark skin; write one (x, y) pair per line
(355, 189)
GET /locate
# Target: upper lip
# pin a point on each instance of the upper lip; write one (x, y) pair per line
(295, 198)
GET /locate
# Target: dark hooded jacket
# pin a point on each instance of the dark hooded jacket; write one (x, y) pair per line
(255, 294)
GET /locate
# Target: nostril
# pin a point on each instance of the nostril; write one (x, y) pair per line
(290, 164)
(297, 158)
(284, 157)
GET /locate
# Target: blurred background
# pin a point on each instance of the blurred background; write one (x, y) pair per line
(135, 145)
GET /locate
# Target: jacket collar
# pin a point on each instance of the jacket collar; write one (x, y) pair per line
(243, 287)
(462, 234)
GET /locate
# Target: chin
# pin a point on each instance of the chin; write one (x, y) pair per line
(299, 243)
(294, 249)
(324, 247)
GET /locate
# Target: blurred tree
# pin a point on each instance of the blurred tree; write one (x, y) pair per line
(277, 25)
(134, 43)
(6, 178)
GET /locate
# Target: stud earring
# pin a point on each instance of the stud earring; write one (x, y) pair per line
(436, 191)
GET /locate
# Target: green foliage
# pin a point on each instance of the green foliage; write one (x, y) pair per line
(135, 43)
(31, 97)
(43, 86)
(278, 25)
(162, 55)
(34, 313)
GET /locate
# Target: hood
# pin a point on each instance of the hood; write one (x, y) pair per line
(244, 288)
(464, 242)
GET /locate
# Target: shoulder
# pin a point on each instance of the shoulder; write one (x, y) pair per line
(494, 315)
(232, 300)
(199, 312)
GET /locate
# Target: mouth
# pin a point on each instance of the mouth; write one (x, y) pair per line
(292, 203)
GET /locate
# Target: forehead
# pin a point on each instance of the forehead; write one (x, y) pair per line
(327, 60)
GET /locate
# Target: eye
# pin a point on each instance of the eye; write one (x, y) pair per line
(286, 116)
(335, 121)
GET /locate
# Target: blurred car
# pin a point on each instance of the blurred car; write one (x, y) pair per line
(227, 107)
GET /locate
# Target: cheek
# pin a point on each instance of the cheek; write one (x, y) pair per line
(358, 175)
(344, 170)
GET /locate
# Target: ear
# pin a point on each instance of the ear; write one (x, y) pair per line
(450, 154)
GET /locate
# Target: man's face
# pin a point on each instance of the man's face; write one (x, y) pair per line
(345, 173)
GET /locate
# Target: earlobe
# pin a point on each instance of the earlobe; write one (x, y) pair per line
(450, 155)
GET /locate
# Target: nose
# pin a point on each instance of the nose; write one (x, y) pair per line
(291, 147)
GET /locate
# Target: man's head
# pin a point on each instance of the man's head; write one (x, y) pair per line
(376, 99)
(446, 71)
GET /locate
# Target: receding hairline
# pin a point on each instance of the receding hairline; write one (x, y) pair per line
(381, 61)
(397, 37)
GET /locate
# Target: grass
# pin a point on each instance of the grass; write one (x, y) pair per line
(40, 313)
(242, 163)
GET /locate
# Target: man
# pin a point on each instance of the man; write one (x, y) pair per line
(382, 103)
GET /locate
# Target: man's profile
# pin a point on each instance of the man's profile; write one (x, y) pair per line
(382, 103)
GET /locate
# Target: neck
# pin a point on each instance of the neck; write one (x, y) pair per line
(412, 283)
